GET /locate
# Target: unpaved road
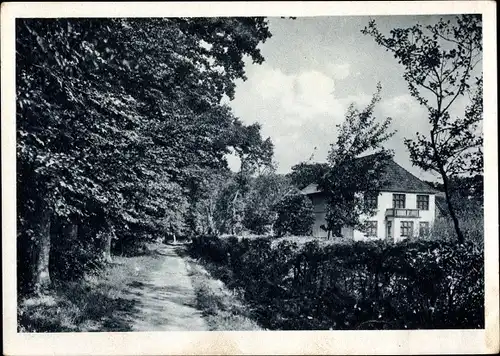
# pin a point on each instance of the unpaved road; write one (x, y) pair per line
(160, 289)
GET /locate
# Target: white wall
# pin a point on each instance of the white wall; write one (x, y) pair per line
(384, 203)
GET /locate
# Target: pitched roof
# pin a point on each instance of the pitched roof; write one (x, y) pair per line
(398, 179)
(395, 179)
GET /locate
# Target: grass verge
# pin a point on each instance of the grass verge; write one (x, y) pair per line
(100, 302)
(88, 305)
(221, 308)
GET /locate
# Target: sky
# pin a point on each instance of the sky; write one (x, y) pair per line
(314, 68)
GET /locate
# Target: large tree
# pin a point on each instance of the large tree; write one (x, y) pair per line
(439, 64)
(116, 117)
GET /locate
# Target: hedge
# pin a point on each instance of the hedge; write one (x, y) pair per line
(362, 285)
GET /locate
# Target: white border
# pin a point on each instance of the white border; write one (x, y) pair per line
(305, 342)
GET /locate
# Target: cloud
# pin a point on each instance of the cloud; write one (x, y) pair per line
(339, 71)
(305, 94)
(408, 116)
(360, 101)
(299, 111)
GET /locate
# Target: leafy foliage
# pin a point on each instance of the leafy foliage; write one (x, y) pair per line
(116, 118)
(303, 173)
(295, 215)
(439, 64)
(358, 285)
(350, 178)
(266, 191)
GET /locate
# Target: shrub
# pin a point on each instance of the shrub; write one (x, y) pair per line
(472, 226)
(74, 255)
(362, 285)
(295, 216)
(258, 221)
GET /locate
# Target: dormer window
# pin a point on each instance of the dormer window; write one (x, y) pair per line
(398, 201)
(423, 202)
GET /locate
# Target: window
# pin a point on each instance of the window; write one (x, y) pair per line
(371, 200)
(398, 201)
(371, 228)
(424, 228)
(406, 228)
(423, 202)
(389, 228)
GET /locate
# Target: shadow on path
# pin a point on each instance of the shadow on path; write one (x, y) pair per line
(161, 292)
(150, 292)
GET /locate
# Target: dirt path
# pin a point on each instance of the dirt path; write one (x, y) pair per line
(161, 291)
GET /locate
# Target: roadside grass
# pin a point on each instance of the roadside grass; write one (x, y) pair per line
(222, 309)
(89, 305)
(99, 302)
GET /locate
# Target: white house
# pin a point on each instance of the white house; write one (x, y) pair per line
(405, 207)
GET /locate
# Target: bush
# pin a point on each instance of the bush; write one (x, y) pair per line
(364, 285)
(472, 227)
(295, 216)
(73, 256)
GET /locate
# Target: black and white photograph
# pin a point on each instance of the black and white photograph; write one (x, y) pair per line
(244, 172)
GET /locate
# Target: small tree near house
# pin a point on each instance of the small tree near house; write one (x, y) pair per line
(350, 178)
(295, 215)
(440, 63)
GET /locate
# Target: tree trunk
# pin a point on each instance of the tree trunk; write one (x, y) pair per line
(107, 246)
(233, 212)
(444, 176)
(451, 209)
(210, 219)
(71, 232)
(41, 252)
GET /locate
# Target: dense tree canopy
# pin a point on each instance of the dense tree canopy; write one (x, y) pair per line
(117, 117)
(295, 215)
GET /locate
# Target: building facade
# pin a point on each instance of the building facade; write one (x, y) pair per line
(405, 207)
